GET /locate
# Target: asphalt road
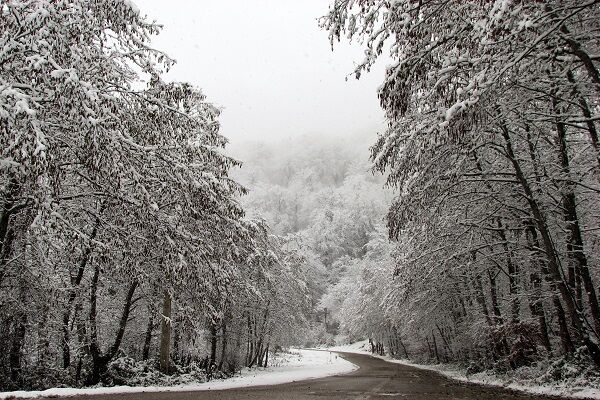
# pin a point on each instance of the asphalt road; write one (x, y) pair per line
(376, 379)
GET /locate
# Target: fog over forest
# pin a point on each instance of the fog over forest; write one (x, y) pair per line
(310, 198)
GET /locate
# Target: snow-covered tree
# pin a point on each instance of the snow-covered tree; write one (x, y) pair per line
(115, 194)
(492, 150)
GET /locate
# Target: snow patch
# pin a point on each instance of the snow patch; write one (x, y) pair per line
(484, 378)
(362, 347)
(298, 365)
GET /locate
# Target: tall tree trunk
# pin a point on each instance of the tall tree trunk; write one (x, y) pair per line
(213, 343)
(513, 274)
(535, 301)
(403, 347)
(8, 237)
(94, 346)
(165, 335)
(148, 336)
(541, 260)
(480, 298)
(575, 240)
(500, 343)
(8, 210)
(548, 246)
(250, 349)
(445, 340)
(584, 56)
(266, 361)
(100, 360)
(587, 114)
(75, 282)
(66, 339)
(435, 348)
(113, 350)
(223, 345)
(428, 348)
(16, 348)
(498, 320)
(563, 329)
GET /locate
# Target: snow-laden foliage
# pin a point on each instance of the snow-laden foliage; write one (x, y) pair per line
(492, 148)
(319, 193)
(117, 210)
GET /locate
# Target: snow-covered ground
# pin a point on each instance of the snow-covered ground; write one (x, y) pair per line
(297, 365)
(362, 347)
(483, 378)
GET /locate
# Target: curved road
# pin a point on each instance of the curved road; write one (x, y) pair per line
(376, 379)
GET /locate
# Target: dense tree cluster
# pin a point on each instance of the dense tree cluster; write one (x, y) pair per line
(321, 195)
(121, 232)
(492, 148)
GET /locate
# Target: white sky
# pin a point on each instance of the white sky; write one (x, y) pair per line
(269, 66)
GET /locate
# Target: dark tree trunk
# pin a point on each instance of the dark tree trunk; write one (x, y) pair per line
(576, 252)
(165, 335)
(16, 348)
(148, 336)
(100, 360)
(494, 297)
(548, 246)
(435, 349)
(587, 114)
(7, 235)
(445, 341)
(535, 302)
(250, 350)
(513, 274)
(266, 362)
(75, 282)
(563, 329)
(403, 348)
(581, 53)
(66, 338)
(565, 336)
(223, 345)
(480, 298)
(6, 244)
(429, 347)
(213, 343)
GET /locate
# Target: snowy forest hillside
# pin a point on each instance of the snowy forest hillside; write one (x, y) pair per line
(320, 193)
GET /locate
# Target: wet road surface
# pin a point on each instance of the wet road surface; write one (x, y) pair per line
(376, 379)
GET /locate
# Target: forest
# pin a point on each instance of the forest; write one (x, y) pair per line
(492, 153)
(138, 247)
(123, 241)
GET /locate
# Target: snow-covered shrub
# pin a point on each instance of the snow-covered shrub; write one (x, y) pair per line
(576, 370)
(38, 378)
(318, 336)
(127, 371)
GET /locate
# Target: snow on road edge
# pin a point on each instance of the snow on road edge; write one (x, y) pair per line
(300, 365)
(481, 379)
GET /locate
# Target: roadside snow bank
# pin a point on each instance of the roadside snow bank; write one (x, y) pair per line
(482, 378)
(297, 365)
(489, 379)
(362, 347)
